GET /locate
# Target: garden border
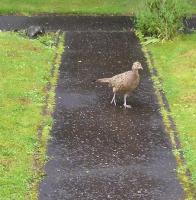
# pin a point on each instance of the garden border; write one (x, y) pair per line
(47, 110)
(183, 172)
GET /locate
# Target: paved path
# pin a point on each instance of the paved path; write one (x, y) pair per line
(100, 151)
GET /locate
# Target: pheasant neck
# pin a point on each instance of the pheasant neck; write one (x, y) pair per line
(135, 71)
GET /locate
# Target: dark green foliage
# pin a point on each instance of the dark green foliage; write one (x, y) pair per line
(162, 18)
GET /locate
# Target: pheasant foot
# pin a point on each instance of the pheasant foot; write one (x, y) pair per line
(125, 101)
(127, 106)
(114, 100)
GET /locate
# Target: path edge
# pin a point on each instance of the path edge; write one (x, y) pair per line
(44, 129)
(183, 173)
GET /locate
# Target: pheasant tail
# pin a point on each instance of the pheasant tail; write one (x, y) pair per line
(104, 80)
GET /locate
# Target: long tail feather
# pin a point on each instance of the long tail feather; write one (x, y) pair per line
(103, 80)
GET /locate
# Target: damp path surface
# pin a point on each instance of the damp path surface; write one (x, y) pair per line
(75, 23)
(67, 23)
(99, 151)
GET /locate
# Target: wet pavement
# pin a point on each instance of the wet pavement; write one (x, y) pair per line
(99, 151)
(75, 23)
(68, 23)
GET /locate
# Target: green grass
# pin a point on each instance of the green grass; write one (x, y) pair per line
(176, 65)
(24, 73)
(69, 6)
(193, 6)
(86, 7)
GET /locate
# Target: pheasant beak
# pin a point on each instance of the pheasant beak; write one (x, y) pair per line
(141, 68)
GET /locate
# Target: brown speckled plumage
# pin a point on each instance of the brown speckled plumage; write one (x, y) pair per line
(124, 83)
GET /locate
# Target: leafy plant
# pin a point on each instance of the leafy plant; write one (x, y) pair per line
(47, 39)
(162, 18)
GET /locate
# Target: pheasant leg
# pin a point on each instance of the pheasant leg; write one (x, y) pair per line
(125, 102)
(114, 99)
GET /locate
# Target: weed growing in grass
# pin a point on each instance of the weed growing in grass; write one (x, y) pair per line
(46, 39)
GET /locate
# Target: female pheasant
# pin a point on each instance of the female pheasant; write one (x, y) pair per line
(124, 83)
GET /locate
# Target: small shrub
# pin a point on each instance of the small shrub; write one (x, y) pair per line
(162, 18)
(47, 39)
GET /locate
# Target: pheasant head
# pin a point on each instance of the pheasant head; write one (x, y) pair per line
(136, 66)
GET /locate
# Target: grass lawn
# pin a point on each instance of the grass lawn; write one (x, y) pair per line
(176, 65)
(88, 7)
(24, 73)
(70, 6)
